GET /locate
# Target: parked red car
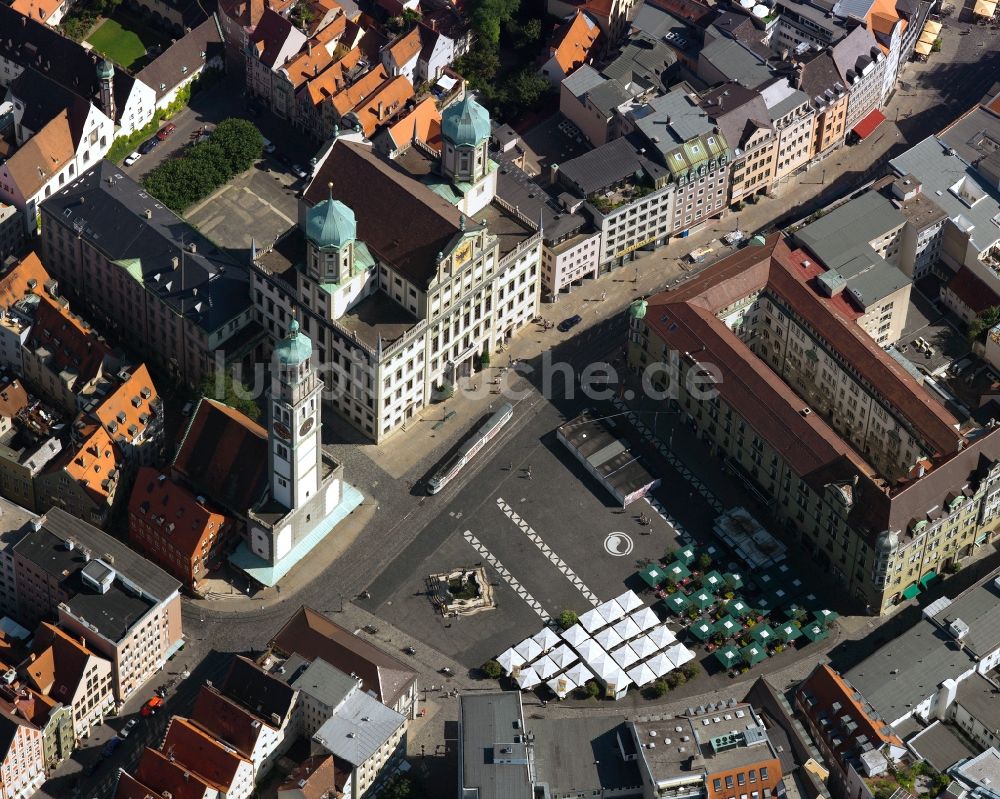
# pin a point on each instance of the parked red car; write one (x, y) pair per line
(150, 708)
(165, 131)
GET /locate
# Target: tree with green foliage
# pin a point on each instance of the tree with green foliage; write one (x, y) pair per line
(488, 16)
(492, 670)
(691, 670)
(241, 142)
(567, 619)
(591, 689)
(231, 392)
(658, 689)
(527, 88)
(530, 32)
(704, 562)
(302, 14)
(398, 786)
(982, 324)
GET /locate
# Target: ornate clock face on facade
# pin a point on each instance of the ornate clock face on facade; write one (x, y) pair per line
(281, 431)
(463, 253)
(307, 425)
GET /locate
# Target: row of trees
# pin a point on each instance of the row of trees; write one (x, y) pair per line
(204, 167)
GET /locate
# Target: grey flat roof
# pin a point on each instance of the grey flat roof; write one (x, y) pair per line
(358, 728)
(583, 80)
(607, 96)
(977, 695)
(113, 613)
(904, 672)
(488, 720)
(941, 746)
(326, 683)
(515, 187)
(643, 61)
(974, 135)
(940, 173)
(672, 119)
(736, 62)
(582, 754)
(606, 166)
(983, 770)
(14, 523)
(869, 216)
(46, 549)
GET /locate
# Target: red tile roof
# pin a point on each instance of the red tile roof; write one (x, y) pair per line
(96, 460)
(406, 47)
(316, 776)
(224, 456)
(424, 121)
(201, 754)
(161, 773)
(226, 720)
(573, 42)
(312, 635)
(824, 687)
(972, 291)
(60, 662)
(129, 787)
(132, 407)
(72, 343)
(28, 277)
(175, 512)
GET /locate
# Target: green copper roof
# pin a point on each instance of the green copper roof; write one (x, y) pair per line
(105, 69)
(295, 348)
(330, 224)
(466, 123)
(637, 310)
(133, 266)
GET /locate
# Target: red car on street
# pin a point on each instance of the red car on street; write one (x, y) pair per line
(150, 708)
(165, 131)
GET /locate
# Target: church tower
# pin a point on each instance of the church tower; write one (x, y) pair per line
(465, 128)
(331, 230)
(106, 77)
(294, 454)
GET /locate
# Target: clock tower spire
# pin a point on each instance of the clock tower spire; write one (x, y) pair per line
(294, 454)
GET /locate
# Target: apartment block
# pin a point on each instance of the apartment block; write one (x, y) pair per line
(54, 718)
(22, 764)
(125, 608)
(866, 471)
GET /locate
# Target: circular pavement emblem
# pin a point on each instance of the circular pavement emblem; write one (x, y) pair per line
(618, 544)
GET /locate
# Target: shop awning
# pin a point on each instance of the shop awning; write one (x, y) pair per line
(985, 8)
(922, 48)
(933, 27)
(927, 38)
(911, 591)
(927, 578)
(867, 126)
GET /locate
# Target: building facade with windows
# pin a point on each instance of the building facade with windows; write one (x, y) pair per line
(399, 314)
(869, 475)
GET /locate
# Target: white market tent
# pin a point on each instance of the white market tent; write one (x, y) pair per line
(644, 647)
(625, 656)
(627, 629)
(642, 674)
(660, 664)
(579, 673)
(544, 667)
(616, 680)
(527, 679)
(575, 635)
(546, 639)
(528, 649)
(679, 654)
(629, 601)
(593, 621)
(662, 636)
(591, 651)
(510, 661)
(562, 656)
(608, 638)
(561, 685)
(646, 619)
(610, 611)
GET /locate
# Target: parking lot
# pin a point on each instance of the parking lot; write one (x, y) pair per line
(259, 204)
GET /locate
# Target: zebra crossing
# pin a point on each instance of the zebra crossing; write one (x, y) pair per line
(556, 561)
(507, 577)
(669, 456)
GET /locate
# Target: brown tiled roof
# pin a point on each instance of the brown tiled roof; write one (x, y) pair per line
(391, 96)
(157, 771)
(424, 121)
(972, 291)
(269, 37)
(124, 409)
(572, 43)
(350, 97)
(332, 32)
(312, 635)
(183, 58)
(72, 344)
(406, 47)
(60, 663)
(17, 283)
(129, 787)
(693, 11)
(307, 65)
(316, 776)
(227, 721)
(432, 222)
(13, 397)
(201, 754)
(330, 80)
(191, 523)
(39, 10)
(42, 157)
(93, 462)
(224, 456)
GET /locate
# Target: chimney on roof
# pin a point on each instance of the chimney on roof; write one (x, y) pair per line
(309, 48)
(379, 110)
(149, 213)
(315, 70)
(175, 262)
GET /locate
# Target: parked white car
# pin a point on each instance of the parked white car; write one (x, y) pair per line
(131, 159)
